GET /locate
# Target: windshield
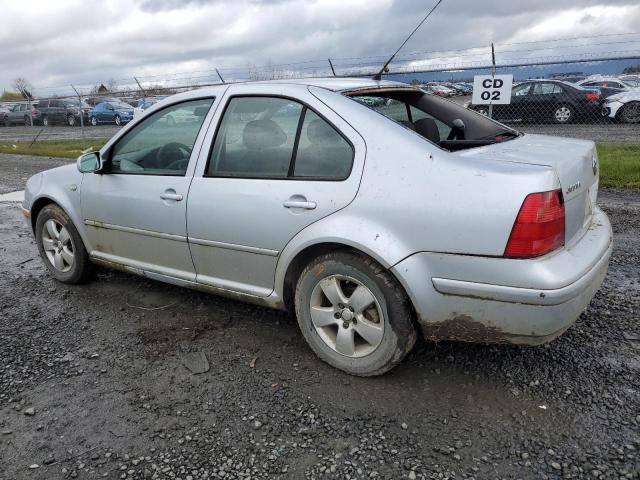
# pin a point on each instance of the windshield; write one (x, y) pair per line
(447, 124)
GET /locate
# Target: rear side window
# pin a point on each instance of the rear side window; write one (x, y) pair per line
(277, 138)
(546, 89)
(322, 151)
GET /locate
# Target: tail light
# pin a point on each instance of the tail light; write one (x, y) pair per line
(592, 96)
(539, 227)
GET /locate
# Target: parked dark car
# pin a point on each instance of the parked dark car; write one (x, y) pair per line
(4, 113)
(20, 114)
(63, 111)
(547, 101)
(111, 112)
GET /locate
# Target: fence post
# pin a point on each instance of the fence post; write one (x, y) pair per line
(493, 74)
(80, 110)
(142, 90)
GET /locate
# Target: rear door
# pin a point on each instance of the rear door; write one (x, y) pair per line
(546, 96)
(275, 165)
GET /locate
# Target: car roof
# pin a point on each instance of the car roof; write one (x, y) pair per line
(336, 84)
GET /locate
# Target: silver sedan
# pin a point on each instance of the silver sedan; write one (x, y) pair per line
(370, 208)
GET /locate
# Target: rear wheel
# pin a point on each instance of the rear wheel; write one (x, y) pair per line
(563, 114)
(27, 121)
(353, 314)
(60, 246)
(630, 112)
(483, 111)
(94, 121)
(45, 121)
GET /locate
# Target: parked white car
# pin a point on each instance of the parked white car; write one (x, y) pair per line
(624, 106)
(371, 221)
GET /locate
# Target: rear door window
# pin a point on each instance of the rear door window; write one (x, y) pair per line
(277, 138)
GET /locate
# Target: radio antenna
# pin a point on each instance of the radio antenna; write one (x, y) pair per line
(378, 76)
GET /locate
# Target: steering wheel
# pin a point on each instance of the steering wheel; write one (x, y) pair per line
(174, 153)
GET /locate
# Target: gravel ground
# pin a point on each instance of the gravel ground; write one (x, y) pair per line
(95, 382)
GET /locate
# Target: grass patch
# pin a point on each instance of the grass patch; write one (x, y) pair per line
(52, 148)
(619, 165)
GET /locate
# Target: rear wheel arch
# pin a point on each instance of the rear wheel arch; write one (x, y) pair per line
(305, 256)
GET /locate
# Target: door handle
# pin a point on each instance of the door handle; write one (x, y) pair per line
(171, 196)
(299, 204)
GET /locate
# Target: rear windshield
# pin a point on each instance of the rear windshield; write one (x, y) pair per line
(443, 122)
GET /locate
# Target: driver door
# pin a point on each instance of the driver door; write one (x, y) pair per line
(135, 212)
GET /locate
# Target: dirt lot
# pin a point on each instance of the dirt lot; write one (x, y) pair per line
(94, 383)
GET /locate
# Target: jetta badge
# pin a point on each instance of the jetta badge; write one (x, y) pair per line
(594, 165)
(573, 188)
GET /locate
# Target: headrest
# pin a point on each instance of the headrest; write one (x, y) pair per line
(260, 134)
(428, 128)
(319, 131)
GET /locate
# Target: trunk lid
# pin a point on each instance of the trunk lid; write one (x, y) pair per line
(574, 161)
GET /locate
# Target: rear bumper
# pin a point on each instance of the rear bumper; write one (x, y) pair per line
(498, 300)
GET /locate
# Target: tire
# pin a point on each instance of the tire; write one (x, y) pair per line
(387, 320)
(630, 112)
(118, 120)
(61, 247)
(563, 114)
(482, 111)
(94, 121)
(27, 121)
(45, 121)
(71, 120)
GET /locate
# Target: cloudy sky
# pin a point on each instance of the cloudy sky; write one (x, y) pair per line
(54, 43)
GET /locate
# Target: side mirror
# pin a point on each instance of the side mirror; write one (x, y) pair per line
(89, 162)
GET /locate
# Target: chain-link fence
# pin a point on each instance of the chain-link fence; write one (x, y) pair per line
(594, 97)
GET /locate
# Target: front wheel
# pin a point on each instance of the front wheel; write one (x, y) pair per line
(60, 246)
(118, 120)
(94, 121)
(71, 120)
(45, 121)
(563, 114)
(630, 112)
(353, 314)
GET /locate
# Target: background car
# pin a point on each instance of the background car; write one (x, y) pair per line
(63, 111)
(607, 86)
(143, 103)
(624, 106)
(4, 111)
(440, 90)
(111, 112)
(547, 101)
(20, 114)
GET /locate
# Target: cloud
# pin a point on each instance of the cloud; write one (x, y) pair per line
(84, 43)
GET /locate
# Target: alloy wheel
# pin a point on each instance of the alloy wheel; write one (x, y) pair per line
(58, 245)
(347, 316)
(562, 114)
